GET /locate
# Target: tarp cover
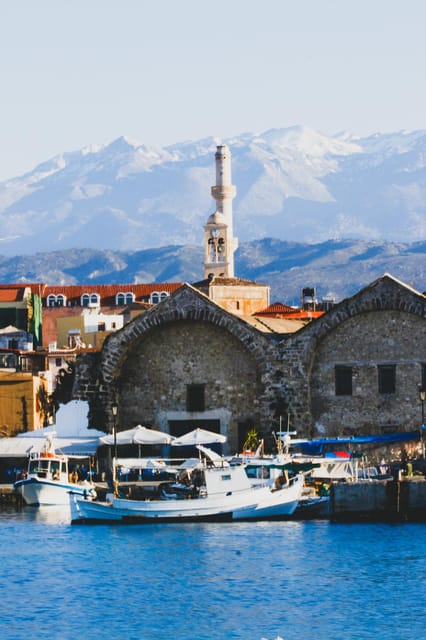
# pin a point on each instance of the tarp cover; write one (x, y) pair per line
(21, 447)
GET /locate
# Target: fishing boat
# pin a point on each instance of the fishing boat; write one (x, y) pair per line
(47, 480)
(209, 490)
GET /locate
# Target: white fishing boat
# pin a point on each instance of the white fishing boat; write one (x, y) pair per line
(47, 480)
(210, 490)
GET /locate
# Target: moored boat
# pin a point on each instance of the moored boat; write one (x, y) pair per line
(47, 480)
(210, 491)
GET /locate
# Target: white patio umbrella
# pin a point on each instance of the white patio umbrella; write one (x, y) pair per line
(139, 435)
(198, 436)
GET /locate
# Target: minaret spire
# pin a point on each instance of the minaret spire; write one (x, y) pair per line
(220, 244)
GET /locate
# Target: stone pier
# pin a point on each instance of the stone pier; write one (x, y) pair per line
(379, 500)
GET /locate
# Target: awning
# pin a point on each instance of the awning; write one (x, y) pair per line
(21, 447)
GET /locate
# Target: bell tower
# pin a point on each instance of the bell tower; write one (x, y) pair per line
(219, 243)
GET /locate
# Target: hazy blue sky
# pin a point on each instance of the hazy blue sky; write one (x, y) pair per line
(77, 72)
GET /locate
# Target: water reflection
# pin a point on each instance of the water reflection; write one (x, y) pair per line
(48, 514)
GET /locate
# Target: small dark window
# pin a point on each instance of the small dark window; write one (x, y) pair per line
(195, 397)
(387, 378)
(58, 362)
(101, 326)
(343, 381)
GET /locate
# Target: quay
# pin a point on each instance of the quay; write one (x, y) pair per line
(393, 500)
(8, 496)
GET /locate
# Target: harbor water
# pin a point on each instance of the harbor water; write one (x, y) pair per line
(255, 581)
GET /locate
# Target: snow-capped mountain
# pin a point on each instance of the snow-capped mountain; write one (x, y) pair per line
(293, 184)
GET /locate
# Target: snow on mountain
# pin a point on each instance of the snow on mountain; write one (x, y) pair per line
(294, 184)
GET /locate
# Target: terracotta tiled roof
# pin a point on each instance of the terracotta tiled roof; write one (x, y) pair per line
(9, 293)
(15, 292)
(227, 282)
(279, 310)
(108, 292)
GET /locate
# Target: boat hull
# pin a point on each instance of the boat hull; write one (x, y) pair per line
(37, 492)
(255, 504)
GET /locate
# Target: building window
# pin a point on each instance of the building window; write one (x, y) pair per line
(120, 299)
(58, 362)
(195, 397)
(343, 380)
(85, 299)
(155, 298)
(51, 300)
(101, 326)
(60, 300)
(163, 295)
(94, 299)
(130, 298)
(387, 378)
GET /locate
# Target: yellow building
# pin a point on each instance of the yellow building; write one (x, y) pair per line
(22, 402)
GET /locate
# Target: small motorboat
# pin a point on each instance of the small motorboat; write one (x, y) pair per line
(47, 480)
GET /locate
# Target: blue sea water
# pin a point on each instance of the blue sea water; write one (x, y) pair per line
(254, 581)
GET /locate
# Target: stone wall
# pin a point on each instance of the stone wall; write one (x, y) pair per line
(187, 339)
(385, 323)
(253, 378)
(362, 343)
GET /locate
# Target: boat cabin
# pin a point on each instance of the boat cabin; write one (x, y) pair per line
(48, 466)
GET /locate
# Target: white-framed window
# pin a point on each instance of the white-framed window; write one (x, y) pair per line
(85, 299)
(51, 300)
(61, 300)
(95, 299)
(158, 296)
(124, 298)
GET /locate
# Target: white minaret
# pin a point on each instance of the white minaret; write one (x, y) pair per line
(219, 243)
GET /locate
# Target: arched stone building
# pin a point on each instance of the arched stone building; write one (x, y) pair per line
(357, 368)
(187, 362)
(195, 359)
(184, 363)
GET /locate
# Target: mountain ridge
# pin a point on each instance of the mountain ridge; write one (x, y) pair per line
(293, 184)
(336, 268)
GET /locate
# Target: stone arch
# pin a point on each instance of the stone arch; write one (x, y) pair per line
(186, 308)
(386, 294)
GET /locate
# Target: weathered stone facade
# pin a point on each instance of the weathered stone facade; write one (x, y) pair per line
(385, 323)
(187, 339)
(251, 379)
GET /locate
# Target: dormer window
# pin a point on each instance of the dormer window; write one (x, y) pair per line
(56, 301)
(90, 300)
(122, 299)
(158, 296)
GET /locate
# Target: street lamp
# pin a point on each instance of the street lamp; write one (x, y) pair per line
(114, 410)
(422, 396)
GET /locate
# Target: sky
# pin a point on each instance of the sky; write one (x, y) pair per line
(82, 72)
